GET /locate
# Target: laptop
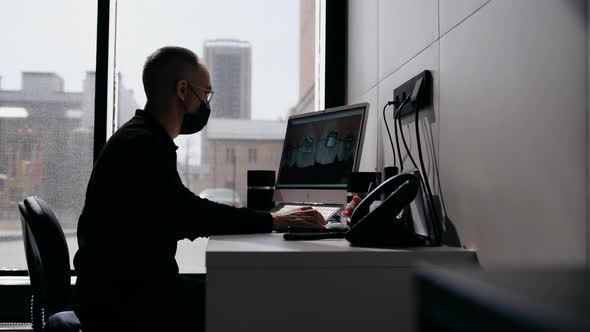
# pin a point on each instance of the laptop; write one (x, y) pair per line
(320, 151)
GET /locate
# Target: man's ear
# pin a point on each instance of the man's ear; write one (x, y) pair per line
(181, 89)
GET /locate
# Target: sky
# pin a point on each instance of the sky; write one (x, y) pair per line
(53, 36)
(60, 36)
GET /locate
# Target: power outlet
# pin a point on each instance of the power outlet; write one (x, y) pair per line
(407, 89)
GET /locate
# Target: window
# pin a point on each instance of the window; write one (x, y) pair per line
(257, 84)
(47, 79)
(47, 89)
(252, 155)
(230, 154)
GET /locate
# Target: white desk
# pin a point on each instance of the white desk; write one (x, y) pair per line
(261, 282)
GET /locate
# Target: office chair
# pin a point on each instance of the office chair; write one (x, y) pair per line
(48, 262)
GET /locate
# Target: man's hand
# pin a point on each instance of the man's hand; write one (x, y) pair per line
(302, 217)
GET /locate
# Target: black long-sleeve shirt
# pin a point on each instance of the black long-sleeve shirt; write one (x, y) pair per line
(136, 210)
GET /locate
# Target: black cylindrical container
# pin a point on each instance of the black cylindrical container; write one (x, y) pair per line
(360, 183)
(261, 186)
(390, 171)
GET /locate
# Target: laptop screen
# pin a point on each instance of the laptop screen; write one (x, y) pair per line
(321, 149)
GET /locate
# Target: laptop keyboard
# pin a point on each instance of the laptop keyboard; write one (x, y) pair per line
(326, 211)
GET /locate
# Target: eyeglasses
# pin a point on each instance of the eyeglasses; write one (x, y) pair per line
(208, 92)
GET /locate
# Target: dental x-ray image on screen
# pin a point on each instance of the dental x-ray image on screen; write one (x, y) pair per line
(321, 149)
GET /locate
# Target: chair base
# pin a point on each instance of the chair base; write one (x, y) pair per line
(65, 321)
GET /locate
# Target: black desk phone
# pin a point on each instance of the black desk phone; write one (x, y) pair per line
(380, 227)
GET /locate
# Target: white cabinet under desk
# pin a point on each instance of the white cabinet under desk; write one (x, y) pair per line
(261, 282)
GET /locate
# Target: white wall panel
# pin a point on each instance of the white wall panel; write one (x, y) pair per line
(513, 131)
(370, 147)
(363, 55)
(452, 12)
(405, 28)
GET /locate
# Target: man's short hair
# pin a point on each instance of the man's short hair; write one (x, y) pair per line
(163, 67)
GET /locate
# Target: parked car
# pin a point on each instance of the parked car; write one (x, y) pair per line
(222, 195)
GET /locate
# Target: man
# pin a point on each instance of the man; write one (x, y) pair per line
(137, 208)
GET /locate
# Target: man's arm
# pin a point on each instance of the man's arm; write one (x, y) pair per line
(192, 216)
(201, 217)
(223, 219)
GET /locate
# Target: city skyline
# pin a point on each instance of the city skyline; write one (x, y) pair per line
(271, 28)
(275, 69)
(30, 116)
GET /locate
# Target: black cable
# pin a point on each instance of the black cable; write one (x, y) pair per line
(424, 183)
(399, 151)
(396, 110)
(399, 121)
(388, 132)
(444, 212)
(433, 210)
(427, 209)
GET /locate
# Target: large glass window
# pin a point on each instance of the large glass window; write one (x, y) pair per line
(47, 78)
(261, 56)
(262, 59)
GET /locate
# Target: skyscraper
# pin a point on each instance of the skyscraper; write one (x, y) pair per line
(307, 55)
(230, 64)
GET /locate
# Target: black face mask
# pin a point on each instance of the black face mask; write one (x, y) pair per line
(194, 122)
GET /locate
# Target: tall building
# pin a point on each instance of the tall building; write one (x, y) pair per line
(39, 152)
(306, 58)
(47, 137)
(230, 65)
(126, 103)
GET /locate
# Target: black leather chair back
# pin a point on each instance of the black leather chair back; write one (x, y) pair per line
(48, 259)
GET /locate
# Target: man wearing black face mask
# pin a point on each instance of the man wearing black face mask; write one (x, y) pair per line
(137, 208)
(195, 122)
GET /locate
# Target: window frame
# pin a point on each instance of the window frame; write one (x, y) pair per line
(332, 75)
(105, 51)
(252, 155)
(230, 154)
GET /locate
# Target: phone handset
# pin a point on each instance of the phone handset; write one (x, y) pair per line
(380, 227)
(384, 189)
